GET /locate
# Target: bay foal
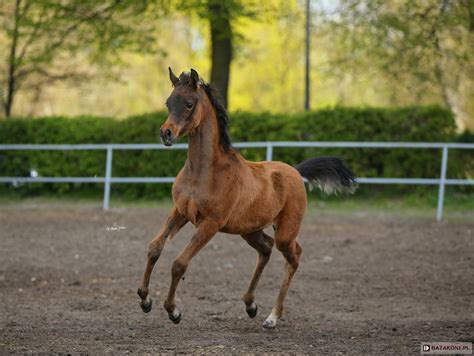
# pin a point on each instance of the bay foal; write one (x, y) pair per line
(218, 190)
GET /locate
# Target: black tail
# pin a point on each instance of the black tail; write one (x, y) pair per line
(330, 174)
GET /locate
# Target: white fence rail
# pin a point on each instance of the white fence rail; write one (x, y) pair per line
(442, 181)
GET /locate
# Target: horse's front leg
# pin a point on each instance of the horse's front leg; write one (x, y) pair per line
(205, 232)
(173, 224)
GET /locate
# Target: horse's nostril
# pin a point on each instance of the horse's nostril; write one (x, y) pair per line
(166, 137)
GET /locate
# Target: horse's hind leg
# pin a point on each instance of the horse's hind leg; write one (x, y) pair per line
(173, 224)
(286, 232)
(263, 244)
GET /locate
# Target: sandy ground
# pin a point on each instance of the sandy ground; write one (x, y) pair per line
(366, 285)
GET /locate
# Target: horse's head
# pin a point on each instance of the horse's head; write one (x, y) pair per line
(185, 110)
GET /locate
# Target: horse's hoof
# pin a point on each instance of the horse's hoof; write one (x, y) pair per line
(175, 316)
(146, 305)
(252, 310)
(270, 323)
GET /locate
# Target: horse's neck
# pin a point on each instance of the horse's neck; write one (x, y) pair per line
(204, 150)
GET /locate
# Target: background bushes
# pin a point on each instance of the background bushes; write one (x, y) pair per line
(430, 124)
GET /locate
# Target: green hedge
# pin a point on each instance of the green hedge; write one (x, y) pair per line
(430, 124)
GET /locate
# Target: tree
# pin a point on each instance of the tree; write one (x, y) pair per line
(221, 45)
(222, 17)
(43, 38)
(423, 47)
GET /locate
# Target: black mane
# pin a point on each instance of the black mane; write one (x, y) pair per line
(216, 101)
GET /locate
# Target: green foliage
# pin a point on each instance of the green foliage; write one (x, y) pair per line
(46, 39)
(429, 124)
(418, 51)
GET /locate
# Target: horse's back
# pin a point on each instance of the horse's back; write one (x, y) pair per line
(284, 178)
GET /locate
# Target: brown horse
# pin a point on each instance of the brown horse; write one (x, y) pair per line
(218, 190)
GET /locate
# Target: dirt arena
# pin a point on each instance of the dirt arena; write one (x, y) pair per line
(366, 285)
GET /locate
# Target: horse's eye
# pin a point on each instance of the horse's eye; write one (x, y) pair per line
(189, 105)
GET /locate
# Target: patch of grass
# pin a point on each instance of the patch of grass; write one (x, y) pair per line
(421, 202)
(402, 201)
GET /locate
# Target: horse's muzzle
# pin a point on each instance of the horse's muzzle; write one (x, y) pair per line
(166, 137)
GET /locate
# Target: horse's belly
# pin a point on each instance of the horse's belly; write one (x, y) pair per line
(243, 229)
(244, 221)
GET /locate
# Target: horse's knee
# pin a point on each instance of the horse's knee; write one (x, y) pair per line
(154, 250)
(178, 268)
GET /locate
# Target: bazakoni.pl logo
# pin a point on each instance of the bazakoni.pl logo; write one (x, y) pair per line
(445, 348)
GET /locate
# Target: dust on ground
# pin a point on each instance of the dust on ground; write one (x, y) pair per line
(367, 284)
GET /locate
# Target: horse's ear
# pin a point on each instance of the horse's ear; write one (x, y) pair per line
(193, 82)
(174, 79)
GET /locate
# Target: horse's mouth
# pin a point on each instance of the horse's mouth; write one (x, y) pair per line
(167, 141)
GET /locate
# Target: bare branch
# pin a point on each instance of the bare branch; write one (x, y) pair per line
(33, 35)
(55, 45)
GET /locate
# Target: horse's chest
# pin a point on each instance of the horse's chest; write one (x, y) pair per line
(188, 201)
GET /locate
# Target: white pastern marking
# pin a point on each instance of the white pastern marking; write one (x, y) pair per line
(271, 321)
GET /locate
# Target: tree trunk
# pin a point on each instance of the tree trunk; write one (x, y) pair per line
(11, 80)
(221, 41)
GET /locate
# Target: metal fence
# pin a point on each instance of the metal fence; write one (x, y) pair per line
(442, 181)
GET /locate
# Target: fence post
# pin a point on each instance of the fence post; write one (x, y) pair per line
(442, 182)
(108, 175)
(269, 151)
